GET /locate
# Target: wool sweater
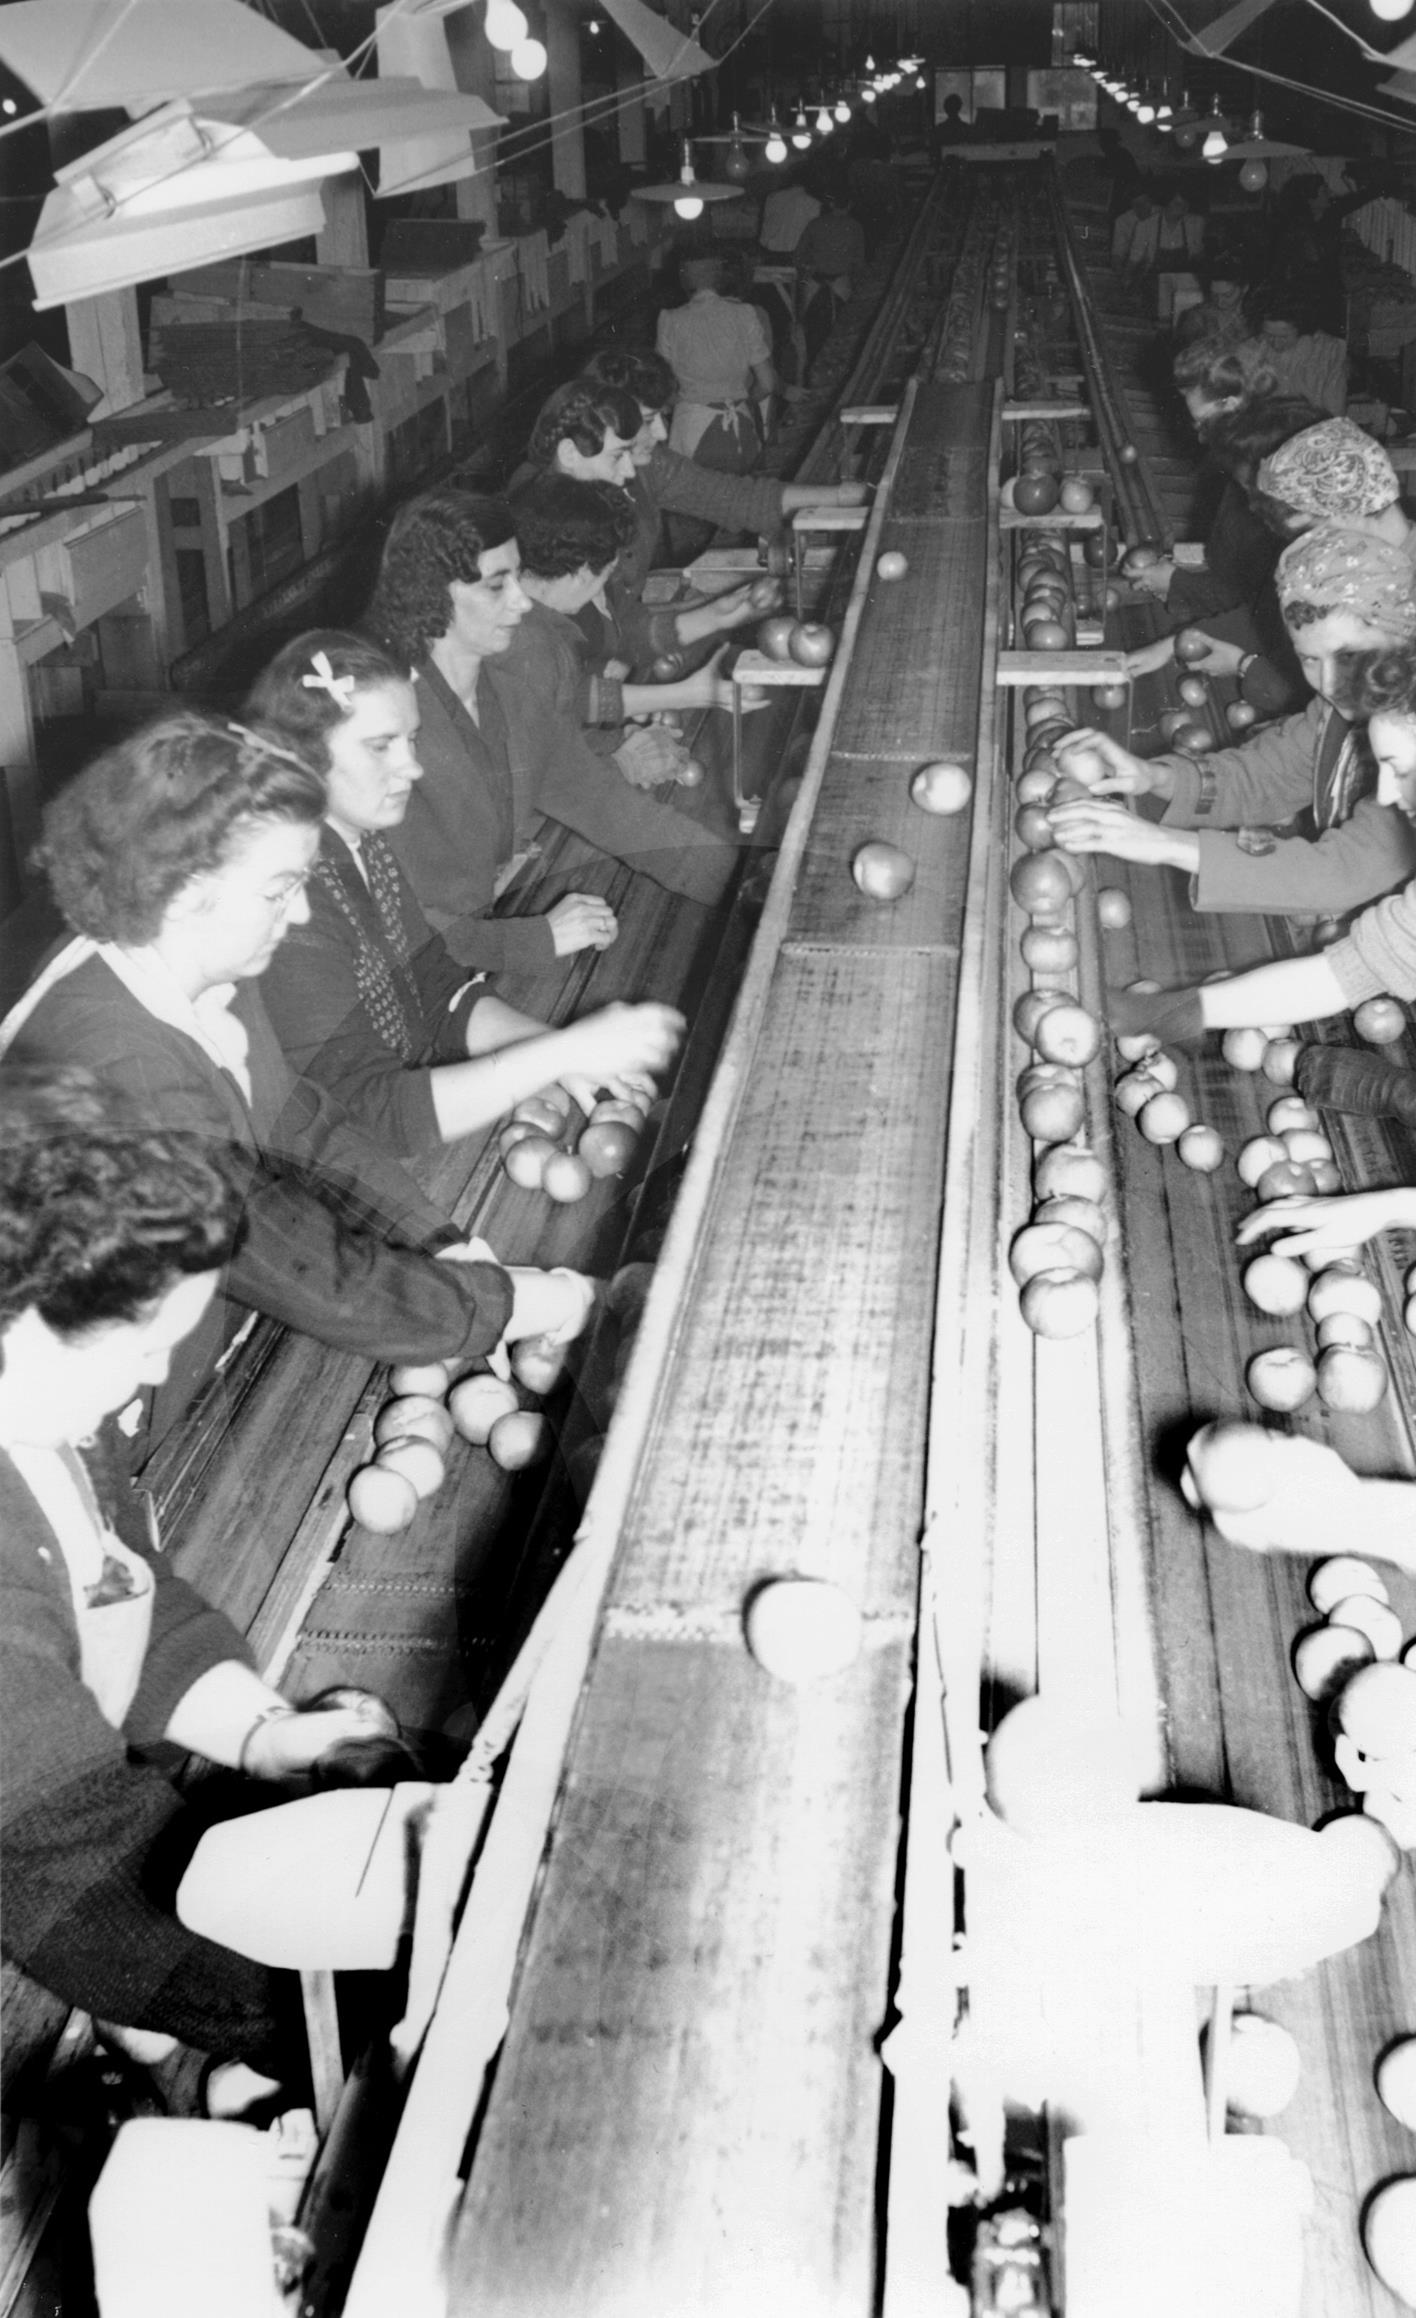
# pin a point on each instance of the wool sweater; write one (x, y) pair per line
(322, 1014)
(476, 808)
(338, 1240)
(1238, 798)
(93, 1841)
(1378, 952)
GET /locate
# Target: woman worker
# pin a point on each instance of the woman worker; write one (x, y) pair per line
(719, 352)
(366, 999)
(113, 1239)
(1341, 592)
(179, 859)
(664, 482)
(497, 752)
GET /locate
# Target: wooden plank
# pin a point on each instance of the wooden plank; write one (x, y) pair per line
(704, 1985)
(1016, 668)
(910, 693)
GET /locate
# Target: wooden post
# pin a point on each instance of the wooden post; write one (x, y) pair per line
(563, 79)
(106, 344)
(475, 67)
(345, 240)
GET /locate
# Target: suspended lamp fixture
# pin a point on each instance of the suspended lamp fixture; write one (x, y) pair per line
(776, 147)
(801, 134)
(843, 111)
(1216, 143)
(690, 193)
(867, 94)
(528, 59)
(1145, 110)
(824, 123)
(1391, 11)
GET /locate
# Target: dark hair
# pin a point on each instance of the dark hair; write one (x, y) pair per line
(1380, 683)
(302, 701)
(585, 413)
(381, 1759)
(1241, 440)
(637, 371)
(432, 541)
(703, 270)
(567, 525)
(160, 809)
(99, 1215)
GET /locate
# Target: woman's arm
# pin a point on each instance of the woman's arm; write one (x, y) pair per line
(621, 1045)
(1290, 990)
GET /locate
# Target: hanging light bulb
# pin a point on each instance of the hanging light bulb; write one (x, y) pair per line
(689, 203)
(870, 64)
(843, 111)
(1145, 110)
(867, 94)
(824, 123)
(528, 59)
(1216, 143)
(801, 134)
(506, 27)
(1391, 11)
(775, 149)
(919, 80)
(1164, 113)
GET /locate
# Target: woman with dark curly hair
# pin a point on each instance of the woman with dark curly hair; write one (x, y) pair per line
(366, 999)
(665, 483)
(497, 752)
(180, 859)
(112, 1241)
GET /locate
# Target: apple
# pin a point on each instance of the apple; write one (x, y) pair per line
(891, 565)
(1069, 1207)
(1053, 1247)
(1052, 1113)
(565, 1178)
(1239, 715)
(1262, 2067)
(1036, 494)
(1379, 1020)
(1201, 1148)
(1041, 883)
(607, 1146)
(1060, 1304)
(1134, 1090)
(774, 637)
(414, 1413)
(1285, 1179)
(1045, 636)
(1038, 787)
(477, 1402)
(945, 788)
(1347, 1329)
(1164, 1118)
(1194, 740)
(1193, 691)
(526, 1162)
(1326, 1657)
(1049, 950)
(811, 644)
(1128, 455)
(422, 1379)
(546, 1118)
(1191, 644)
(883, 872)
(1377, 1620)
(1281, 1378)
(1351, 1380)
(537, 1363)
(1276, 1285)
(381, 1501)
(689, 774)
(1067, 1033)
(417, 1460)
(522, 1438)
(764, 594)
(803, 1629)
(1288, 1114)
(1113, 908)
(1029, 1010)
(1244, 1049)
(667, 667)
(1341, 1575)
(1234, 1466)
(1032, 828)
(1110, 695)
(1077, 495)
(1280, 1058)
(1335, 1290)
(1065, 1171)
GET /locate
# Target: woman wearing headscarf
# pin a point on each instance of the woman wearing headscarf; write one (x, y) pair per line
(1341, 592)
(1333, 472)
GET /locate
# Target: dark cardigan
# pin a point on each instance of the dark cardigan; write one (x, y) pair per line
(312, 995)
(93, 1842)
(325, 1208)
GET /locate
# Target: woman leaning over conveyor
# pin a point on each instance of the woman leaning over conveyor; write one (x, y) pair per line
(497, 752)
(113, 1238)
(179, 860)
(366, 999)
(1341, 592)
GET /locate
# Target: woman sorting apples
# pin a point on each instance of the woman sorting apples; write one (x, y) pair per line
(366, 999)
(1341, 592)
(592, 431)
(497, 751)
(1371, 966)
(665, 483)
(570, 534)
(179, 860)
(113, 1240)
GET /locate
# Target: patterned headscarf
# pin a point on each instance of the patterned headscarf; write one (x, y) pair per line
(1332, 570)
(1332, 470)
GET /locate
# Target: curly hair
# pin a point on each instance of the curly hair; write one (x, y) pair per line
(432, 541)
(637, 371)
(1241, 440)
(161, 808)
(100, 1215)
(1222, 371)
(565, 525)
(1381, 683)
(585, 413)
(308, 688)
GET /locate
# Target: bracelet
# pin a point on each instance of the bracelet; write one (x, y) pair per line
(1245, 665)
(275, 1713)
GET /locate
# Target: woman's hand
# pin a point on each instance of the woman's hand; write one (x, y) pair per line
(1122, 774)
(288, 1743)
(1219, 658)
(1326, 1226)
(1150, 657)
(1317, 1500)
(555, 1304)
(622, 1047)
(583, 921)
(1088, 826)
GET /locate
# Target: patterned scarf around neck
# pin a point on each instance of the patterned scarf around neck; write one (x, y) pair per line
(381, 967)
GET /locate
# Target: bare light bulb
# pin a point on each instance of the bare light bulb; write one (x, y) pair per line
(867, 96)
(775, 148)
(801, 135)
(824, 123)
(1145, 112)
(528, 59)
(506, 27)
(1216, 144)
(1391, 11)
(688, 206)
(843, 111)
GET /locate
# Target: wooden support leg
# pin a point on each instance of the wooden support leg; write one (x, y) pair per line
(326, 2058)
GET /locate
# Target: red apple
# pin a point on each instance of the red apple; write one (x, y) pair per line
(811, 644)
(883, 872)
(774, 637)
